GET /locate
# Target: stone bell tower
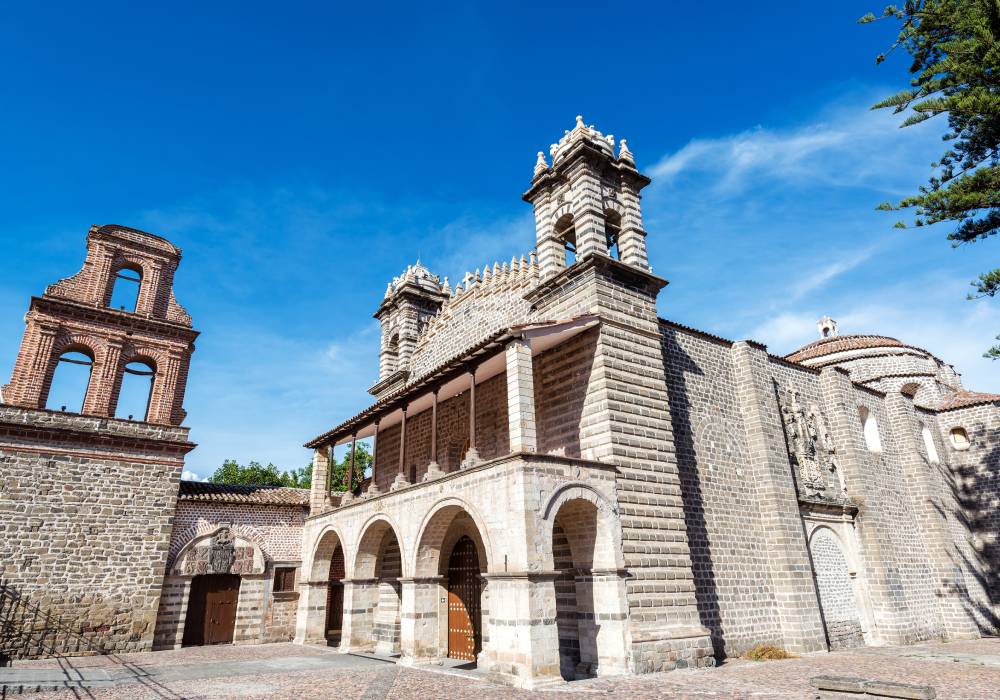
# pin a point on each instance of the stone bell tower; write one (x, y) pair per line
(587, 202)
(87, 499)
(410, 301)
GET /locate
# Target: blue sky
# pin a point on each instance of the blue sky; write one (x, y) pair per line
(303, 154)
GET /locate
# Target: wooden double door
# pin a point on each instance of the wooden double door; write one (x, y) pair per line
(211, 614)
(465, 639)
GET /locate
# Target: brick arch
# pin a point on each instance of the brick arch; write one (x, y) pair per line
(326, 545)
(612, 205)
(366, 551)
(562, 211)
(90, 345)
(590, 524)
(125, 261)
(438, 536)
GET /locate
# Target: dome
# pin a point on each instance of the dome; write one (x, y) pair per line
(842, 343)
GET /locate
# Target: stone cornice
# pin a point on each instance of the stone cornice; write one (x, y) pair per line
(112, 318)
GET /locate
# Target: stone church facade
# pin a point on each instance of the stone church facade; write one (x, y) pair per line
(634, 495)
(564, 483)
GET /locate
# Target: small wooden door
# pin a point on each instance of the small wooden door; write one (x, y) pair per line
(464, 604)
(335, 597)
(211, 615)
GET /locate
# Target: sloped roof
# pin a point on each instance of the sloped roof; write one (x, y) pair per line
(842, 343)
(964, 399)
(232, 493)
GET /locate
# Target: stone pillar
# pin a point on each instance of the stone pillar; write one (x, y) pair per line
(588, 213)
(930, 512)
(319, 494)
(632, 238)
(310, 623)
(360, 599)
(373, 489)
(608, 634)
(520, 397)
(420, 634)
(524, 643)
(888, 607)
(785, 538)
(551, 253)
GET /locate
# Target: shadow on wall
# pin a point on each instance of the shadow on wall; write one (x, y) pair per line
(561, 377)
(975, 488)
(679, 364)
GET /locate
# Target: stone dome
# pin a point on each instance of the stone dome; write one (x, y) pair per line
(844, 344)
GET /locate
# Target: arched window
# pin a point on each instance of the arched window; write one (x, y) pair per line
(960, 439)
(870, 428)
(566, 232)
(70, 382)
(137, 388)
(612, 229)
(125, 294)
(932, 454)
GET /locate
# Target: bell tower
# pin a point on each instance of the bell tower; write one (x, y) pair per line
(587, 202)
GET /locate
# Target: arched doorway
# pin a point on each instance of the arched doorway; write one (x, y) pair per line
(465, 634)
(335, 598)
(835, 585)
(589, 586)
(211, 613)
(388, 570)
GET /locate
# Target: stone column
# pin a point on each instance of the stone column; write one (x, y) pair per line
(524, 642)
(785, 538)
(310, 623)
(588, 213)
(520, 397)
(420, 635)
(360, 599)
(607, 633)
(348, 494)
(319, 494)
(373, 489)
(632, 239)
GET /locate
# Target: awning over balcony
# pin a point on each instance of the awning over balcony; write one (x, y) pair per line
(453, 377)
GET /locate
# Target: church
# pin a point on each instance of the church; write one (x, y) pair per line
(564, 484)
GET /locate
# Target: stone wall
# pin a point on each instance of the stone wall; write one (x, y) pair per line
(86, 506)
(735, 598)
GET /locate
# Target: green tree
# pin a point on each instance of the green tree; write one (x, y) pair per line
(301, 478)
(362, 462)
(253, 474)
(955, 46)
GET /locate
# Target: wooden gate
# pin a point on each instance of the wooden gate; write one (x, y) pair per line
(211, 614)
(464, 604)
(335, 597)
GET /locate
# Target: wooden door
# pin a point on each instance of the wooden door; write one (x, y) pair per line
(335, 597)
(211, 616)
(464, 605)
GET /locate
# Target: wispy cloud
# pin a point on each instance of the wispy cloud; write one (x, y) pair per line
(848, 146)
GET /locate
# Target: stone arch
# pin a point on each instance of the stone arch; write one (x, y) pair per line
(836, 590)
(437, 536)
(584, 549)
(367, 547)
(326, 544)
(196, 558)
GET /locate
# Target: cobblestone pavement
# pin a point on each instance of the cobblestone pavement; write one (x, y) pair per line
(968, 670)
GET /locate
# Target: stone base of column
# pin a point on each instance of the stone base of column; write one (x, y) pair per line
(433, 471)
(373, 491)
(400, 482)
(471, 459)
(346, 497)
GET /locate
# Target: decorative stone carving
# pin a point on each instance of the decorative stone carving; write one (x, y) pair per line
(222, 551)
(810, 448)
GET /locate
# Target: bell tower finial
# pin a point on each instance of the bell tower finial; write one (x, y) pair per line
(827, 327)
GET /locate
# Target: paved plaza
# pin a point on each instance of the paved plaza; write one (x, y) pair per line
(957, 670)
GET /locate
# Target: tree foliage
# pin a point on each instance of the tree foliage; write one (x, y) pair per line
(955, 46)
(362, 463)
(255, 474)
